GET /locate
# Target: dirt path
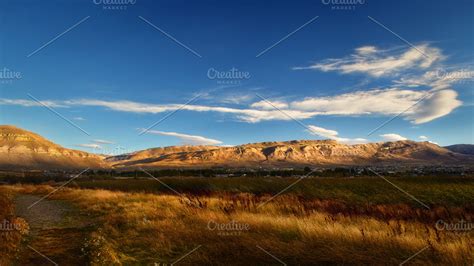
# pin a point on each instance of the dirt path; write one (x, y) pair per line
(57, 232)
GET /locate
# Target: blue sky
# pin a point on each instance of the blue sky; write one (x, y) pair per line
(341, 75)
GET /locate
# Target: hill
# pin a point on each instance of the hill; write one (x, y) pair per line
(462, 148)
(21, 150)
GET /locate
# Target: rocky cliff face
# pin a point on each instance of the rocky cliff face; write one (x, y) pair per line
(298, 153)
(21, 149)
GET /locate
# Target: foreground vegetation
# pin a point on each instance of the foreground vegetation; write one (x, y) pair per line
(237, 222)
(12, 229)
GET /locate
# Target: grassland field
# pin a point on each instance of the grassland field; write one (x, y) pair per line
(237, 221)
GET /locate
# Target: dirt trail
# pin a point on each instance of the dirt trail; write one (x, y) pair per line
(57, 231)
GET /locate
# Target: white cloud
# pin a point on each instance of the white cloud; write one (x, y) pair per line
(101, 141)
(78, 118)
(385, 102)
(237, 99)
(377, 63)
(418, 68)
(328, 133)
(392, 137)
(380, 102)
(90, 146)
(423, 138)
(269, 105)
(246, 115)
(366, 50)
(187, 139)
(29, 103)
(436, 105)
(332, 134)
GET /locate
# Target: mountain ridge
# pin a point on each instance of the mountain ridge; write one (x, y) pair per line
(22, 149)
(303, 153)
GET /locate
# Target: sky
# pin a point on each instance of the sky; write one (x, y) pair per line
(117, 76)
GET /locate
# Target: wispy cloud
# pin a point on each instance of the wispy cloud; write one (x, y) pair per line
(367, 50)
(392, 137)
(269, 105)
(96, 144)
(187, 139)
(89, 145)
(376, 62)
(78, 118)
(411, 68)
(246, 115)
(332, 134)
(423, 138)
(102, 141)
(29, 103)
(385, 102)
(237, 98)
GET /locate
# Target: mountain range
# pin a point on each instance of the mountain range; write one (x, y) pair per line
(22, 149)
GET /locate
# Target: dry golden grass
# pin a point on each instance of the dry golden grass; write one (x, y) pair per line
(137, 228)
(12, 229)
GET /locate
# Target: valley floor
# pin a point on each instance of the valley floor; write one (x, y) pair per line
(76, 226)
